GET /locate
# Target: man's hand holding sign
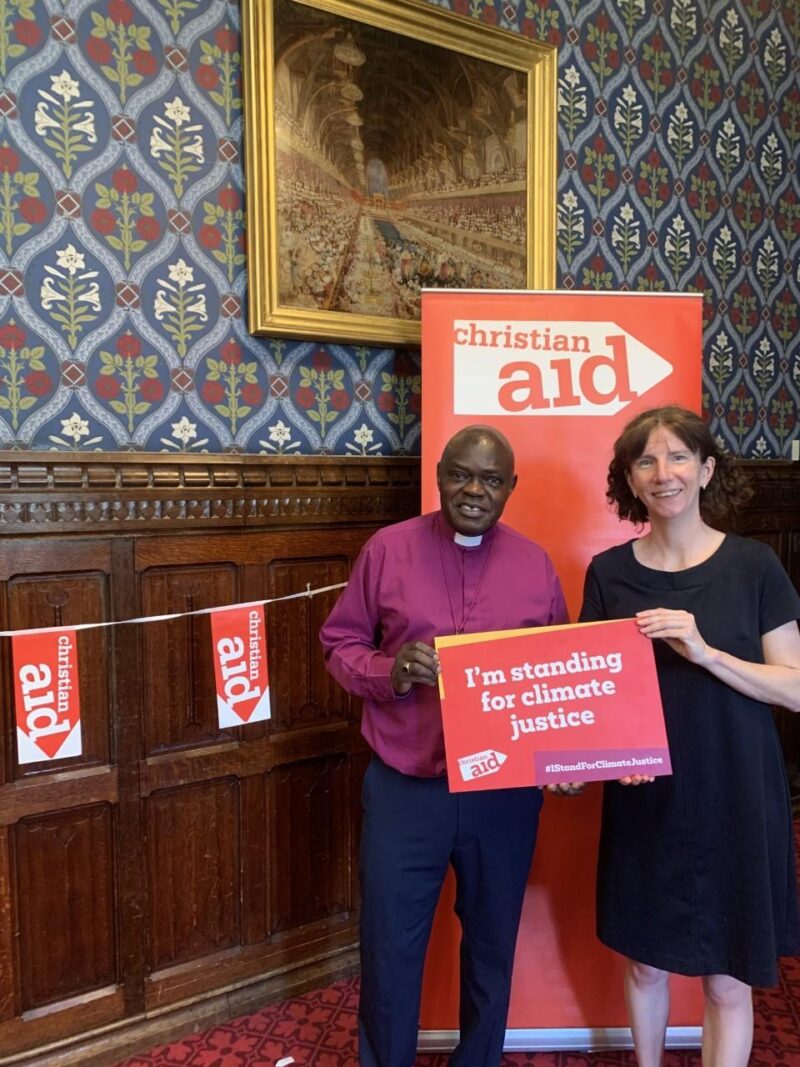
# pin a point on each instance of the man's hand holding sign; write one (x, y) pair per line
(552, 705)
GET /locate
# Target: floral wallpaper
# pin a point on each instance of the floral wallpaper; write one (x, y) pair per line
(123, 269)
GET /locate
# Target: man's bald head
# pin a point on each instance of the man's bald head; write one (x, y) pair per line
(472, 434)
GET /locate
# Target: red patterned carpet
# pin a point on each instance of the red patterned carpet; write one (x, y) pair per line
(319, 1030)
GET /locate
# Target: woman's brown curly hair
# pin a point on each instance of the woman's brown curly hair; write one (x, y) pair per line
(725, 493)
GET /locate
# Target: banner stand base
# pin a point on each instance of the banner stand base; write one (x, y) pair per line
(577, 1039)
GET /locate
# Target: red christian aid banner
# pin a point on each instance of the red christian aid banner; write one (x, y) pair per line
(556, 704)
(240, 664)
(560, 373)
(46, 696)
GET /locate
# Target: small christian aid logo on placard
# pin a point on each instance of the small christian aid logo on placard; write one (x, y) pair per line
(550, 368)
(480, 764)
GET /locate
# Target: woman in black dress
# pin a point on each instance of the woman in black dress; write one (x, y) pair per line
(696, 870)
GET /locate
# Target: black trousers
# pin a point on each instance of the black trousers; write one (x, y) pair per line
(413, 829)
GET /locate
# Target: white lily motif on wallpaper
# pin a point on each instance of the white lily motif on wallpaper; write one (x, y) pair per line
(66, 127)
(69, 294)
(178, 148)
(180, 305)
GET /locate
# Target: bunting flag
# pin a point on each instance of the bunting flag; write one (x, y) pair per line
(238, 637)
(47, 696)
(47, 691)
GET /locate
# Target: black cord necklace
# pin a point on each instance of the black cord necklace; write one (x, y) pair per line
(466, 609)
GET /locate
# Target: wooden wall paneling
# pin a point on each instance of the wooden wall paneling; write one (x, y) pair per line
(179, 691)
(773, 516)
(43, 591)
(257, 850)
(221, 857)
(9, 960)
(192, 799)
(193, 872)
(263, 759)
(66, 920)
(303, 693)
(127, 746)
(59, 817)
(311, 863)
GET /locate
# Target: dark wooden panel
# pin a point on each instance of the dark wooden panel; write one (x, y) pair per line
(773, 516)
(258, 850)
(63, 600)
(193, 872)
(302, 691)
(310, 811)
(9, 961)
(233, 864)
(180, 706)
(65, 907)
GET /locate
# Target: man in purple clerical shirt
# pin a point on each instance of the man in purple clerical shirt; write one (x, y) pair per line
(456, 570)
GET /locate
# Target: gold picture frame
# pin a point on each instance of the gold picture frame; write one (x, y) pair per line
(390, 145)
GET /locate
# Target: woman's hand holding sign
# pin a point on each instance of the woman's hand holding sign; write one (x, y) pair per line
(567, 789)
(678, 629)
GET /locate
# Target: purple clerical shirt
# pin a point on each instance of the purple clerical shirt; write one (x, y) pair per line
(412, 582)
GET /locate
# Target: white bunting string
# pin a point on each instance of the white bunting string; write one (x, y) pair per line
(307, 592)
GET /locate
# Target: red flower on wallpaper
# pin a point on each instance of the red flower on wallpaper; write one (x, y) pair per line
(321, 360)
(124, 215)
(102, 220)
(231, 353)
(252, 394)
(209, 237)
(144, 63)
(12, 337)
(33, 210)
(213, 392)
(236, 389)
(38, 383)
(129, 379)
(24, 378)
(124, 180)
(148, 228)
(229, 199)
(222, 227)
(120, 11)
(99, 50)
(27, 32)
(219, 71)
(107, 388)
(207, 77)
(119, 46)
(9, 160)
(227, 40)
(129, 346)
(151, 390)
(304, 397)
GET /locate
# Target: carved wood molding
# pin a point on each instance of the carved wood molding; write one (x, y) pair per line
(57, 493)
(775, 504)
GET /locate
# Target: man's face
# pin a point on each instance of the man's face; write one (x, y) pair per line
(475, 478)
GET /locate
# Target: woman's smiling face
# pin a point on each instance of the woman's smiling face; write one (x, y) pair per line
(667, 477)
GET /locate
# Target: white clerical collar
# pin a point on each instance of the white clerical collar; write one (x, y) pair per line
(467, 542)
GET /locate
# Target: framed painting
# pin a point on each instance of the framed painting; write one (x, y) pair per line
(390, 146)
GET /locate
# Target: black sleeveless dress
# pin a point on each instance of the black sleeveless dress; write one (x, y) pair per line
(696, 871)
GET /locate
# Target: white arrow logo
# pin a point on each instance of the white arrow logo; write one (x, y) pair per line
(550, 368)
